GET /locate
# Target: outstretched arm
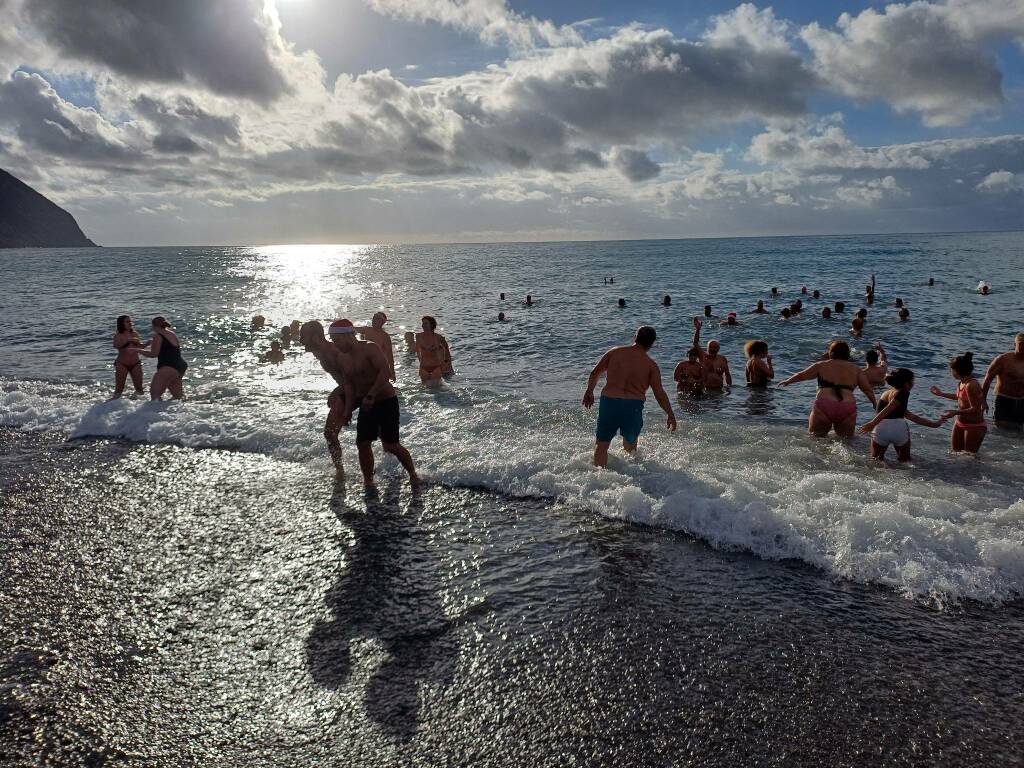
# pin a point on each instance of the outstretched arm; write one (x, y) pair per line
(154, 347)
(662, 397)
(599, 369)
(923, 421)
(939, 393)
(808, 373)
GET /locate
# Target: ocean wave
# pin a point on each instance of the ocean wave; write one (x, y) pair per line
(945, 529)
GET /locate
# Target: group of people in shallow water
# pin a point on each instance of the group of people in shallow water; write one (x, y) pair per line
(630, 373)
(164, 346)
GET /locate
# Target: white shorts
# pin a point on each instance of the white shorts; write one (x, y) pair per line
(891, 432)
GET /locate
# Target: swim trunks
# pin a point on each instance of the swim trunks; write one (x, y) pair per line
(617, 414)
(380, 421)
(1010, 409)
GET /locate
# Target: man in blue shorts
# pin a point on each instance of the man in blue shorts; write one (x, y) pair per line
(630, 373)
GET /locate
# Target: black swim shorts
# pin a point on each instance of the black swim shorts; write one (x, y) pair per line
(1010, 409)
(380, 421)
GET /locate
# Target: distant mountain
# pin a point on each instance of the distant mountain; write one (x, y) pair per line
(29, 220)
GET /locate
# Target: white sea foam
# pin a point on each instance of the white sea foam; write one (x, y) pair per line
(945, 528)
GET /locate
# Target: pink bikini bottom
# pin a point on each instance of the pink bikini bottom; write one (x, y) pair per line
(836, 410)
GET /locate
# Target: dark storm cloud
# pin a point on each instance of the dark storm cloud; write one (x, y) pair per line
(635, 165)
(224, 45)
(175, 143)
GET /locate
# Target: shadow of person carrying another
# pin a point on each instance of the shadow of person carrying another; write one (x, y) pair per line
(389, 593)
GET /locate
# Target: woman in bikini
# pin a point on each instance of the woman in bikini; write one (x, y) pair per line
(430, 351)
(877, 365)
(889, 427)
(170, 366)
(834, 406)
(127, 363)
(759, 364)
(969, 429)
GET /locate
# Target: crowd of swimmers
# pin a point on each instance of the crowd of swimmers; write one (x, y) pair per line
(360, 360)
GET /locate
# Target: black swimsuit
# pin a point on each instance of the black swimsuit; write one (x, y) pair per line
(170, 355)
(902, 397)
(837, 389)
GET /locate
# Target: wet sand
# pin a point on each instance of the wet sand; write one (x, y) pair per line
(173, 607)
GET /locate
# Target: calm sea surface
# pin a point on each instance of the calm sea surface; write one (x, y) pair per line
(741, 473)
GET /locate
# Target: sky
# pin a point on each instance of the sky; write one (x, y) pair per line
(375, 121)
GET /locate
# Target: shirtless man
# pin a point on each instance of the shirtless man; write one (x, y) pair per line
(430, 349)
(1008, 371)
(630, 373)
(380, 337)
(342, 399)
(376, 399)
(716, 367)
(689, 374)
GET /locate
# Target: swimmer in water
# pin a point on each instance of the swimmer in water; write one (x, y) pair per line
(826, 313)
(730, 319)
(889, 427)
(622, 303)
(796, 307)
(286, 337)
(857, 327)
(759, 369)
(689, 374)
(877, 365)
(375, 332)
(983, 288)
(803, 291)
(274, 354)
(501, 317)
(816, 294)
(862, 314)
(759, 309)
(1008, 372)
(528, 301)
(410, 342)
(898, 303)
(341, 401)
(430, 351)
(258, 322)
(969, 429)
(840, 308)
(716, 367)
(127, 363)
(666, 301)
(707, 313)
(786, 313)
(502, 297)
(295, 327)
(931, 282)
(775, 293)
(835, 407)
(630, 373)
(904, 315)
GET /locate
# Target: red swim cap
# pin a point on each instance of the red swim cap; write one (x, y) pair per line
(341, 326)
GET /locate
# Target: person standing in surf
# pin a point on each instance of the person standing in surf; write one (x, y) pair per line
(377, 400)
(969, 428)
(170, 365)
(889, 427)
(630, 373)
(341, 401)
(716, 367)
(376, 333)
(1008, 371)
(430, 349)
(834, 406)
(127, 363)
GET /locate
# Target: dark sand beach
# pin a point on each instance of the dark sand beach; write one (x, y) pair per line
(172, 607)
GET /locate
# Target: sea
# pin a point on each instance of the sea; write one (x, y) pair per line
(737, 593)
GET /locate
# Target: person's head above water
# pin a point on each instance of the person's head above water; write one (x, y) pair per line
(857, 324)
(378, 319)
(775, 291)
(898, 303)
(786, 312)
(707, 310)
(826, 312)
(803, 290)
(755, 348)
(730, 319)
(645, 336)
(311, 333)
(502, 297)
(838, 350)
(428, 323)
(904, 314)
(713, 347)
(666, 300)
(816, 294)
(622, 302)
(275, 345)
(931, 281)
(840, 307)
(529, 299)
(871, 357)
(124, 324)
(501, 317)
(962, 365)
(901, 378)
(862, 313)
(760, 304)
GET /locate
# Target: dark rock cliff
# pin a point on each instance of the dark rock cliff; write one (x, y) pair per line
(29, 220)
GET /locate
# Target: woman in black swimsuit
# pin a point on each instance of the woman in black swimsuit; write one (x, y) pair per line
(170, 366)
(127, 363)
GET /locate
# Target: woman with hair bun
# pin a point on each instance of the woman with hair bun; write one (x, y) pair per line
(889, 427)
(170, 365)
(969, 429)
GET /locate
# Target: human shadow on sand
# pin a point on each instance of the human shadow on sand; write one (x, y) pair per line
(390, 592)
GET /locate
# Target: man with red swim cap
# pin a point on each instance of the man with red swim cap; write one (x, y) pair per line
(376, 399)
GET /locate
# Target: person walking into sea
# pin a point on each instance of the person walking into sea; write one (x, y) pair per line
(759, 370)
(835, 407)
(341, 400)
(127, 363)
(970, 428)
(170, 365)
(876, 365)
(430, 351)
(716, 367)
(630, 373)
(1008, 372)
(889, 427)
(375, 332)
(379, 410)
(689, 374)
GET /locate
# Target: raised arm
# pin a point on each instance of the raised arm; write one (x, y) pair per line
(696, 332)
(808, 373)
(866, 388)
(662, 397)
(599, 369)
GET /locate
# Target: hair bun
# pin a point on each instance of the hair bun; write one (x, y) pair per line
(968, 355)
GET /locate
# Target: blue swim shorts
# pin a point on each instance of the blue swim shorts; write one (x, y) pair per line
(617, 414)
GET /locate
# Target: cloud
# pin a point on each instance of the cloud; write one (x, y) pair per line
(228, 46)
(870, 191)
(929, 58)
(1002, 181)
(746, 26)
(806, 145)
(492, 20)
(634, 165)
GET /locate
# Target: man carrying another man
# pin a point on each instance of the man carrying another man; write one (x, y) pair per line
(630, 372)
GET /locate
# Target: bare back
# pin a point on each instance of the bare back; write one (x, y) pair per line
(1009, 369)
(630, 373)
(382, 339)
(844, 374)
